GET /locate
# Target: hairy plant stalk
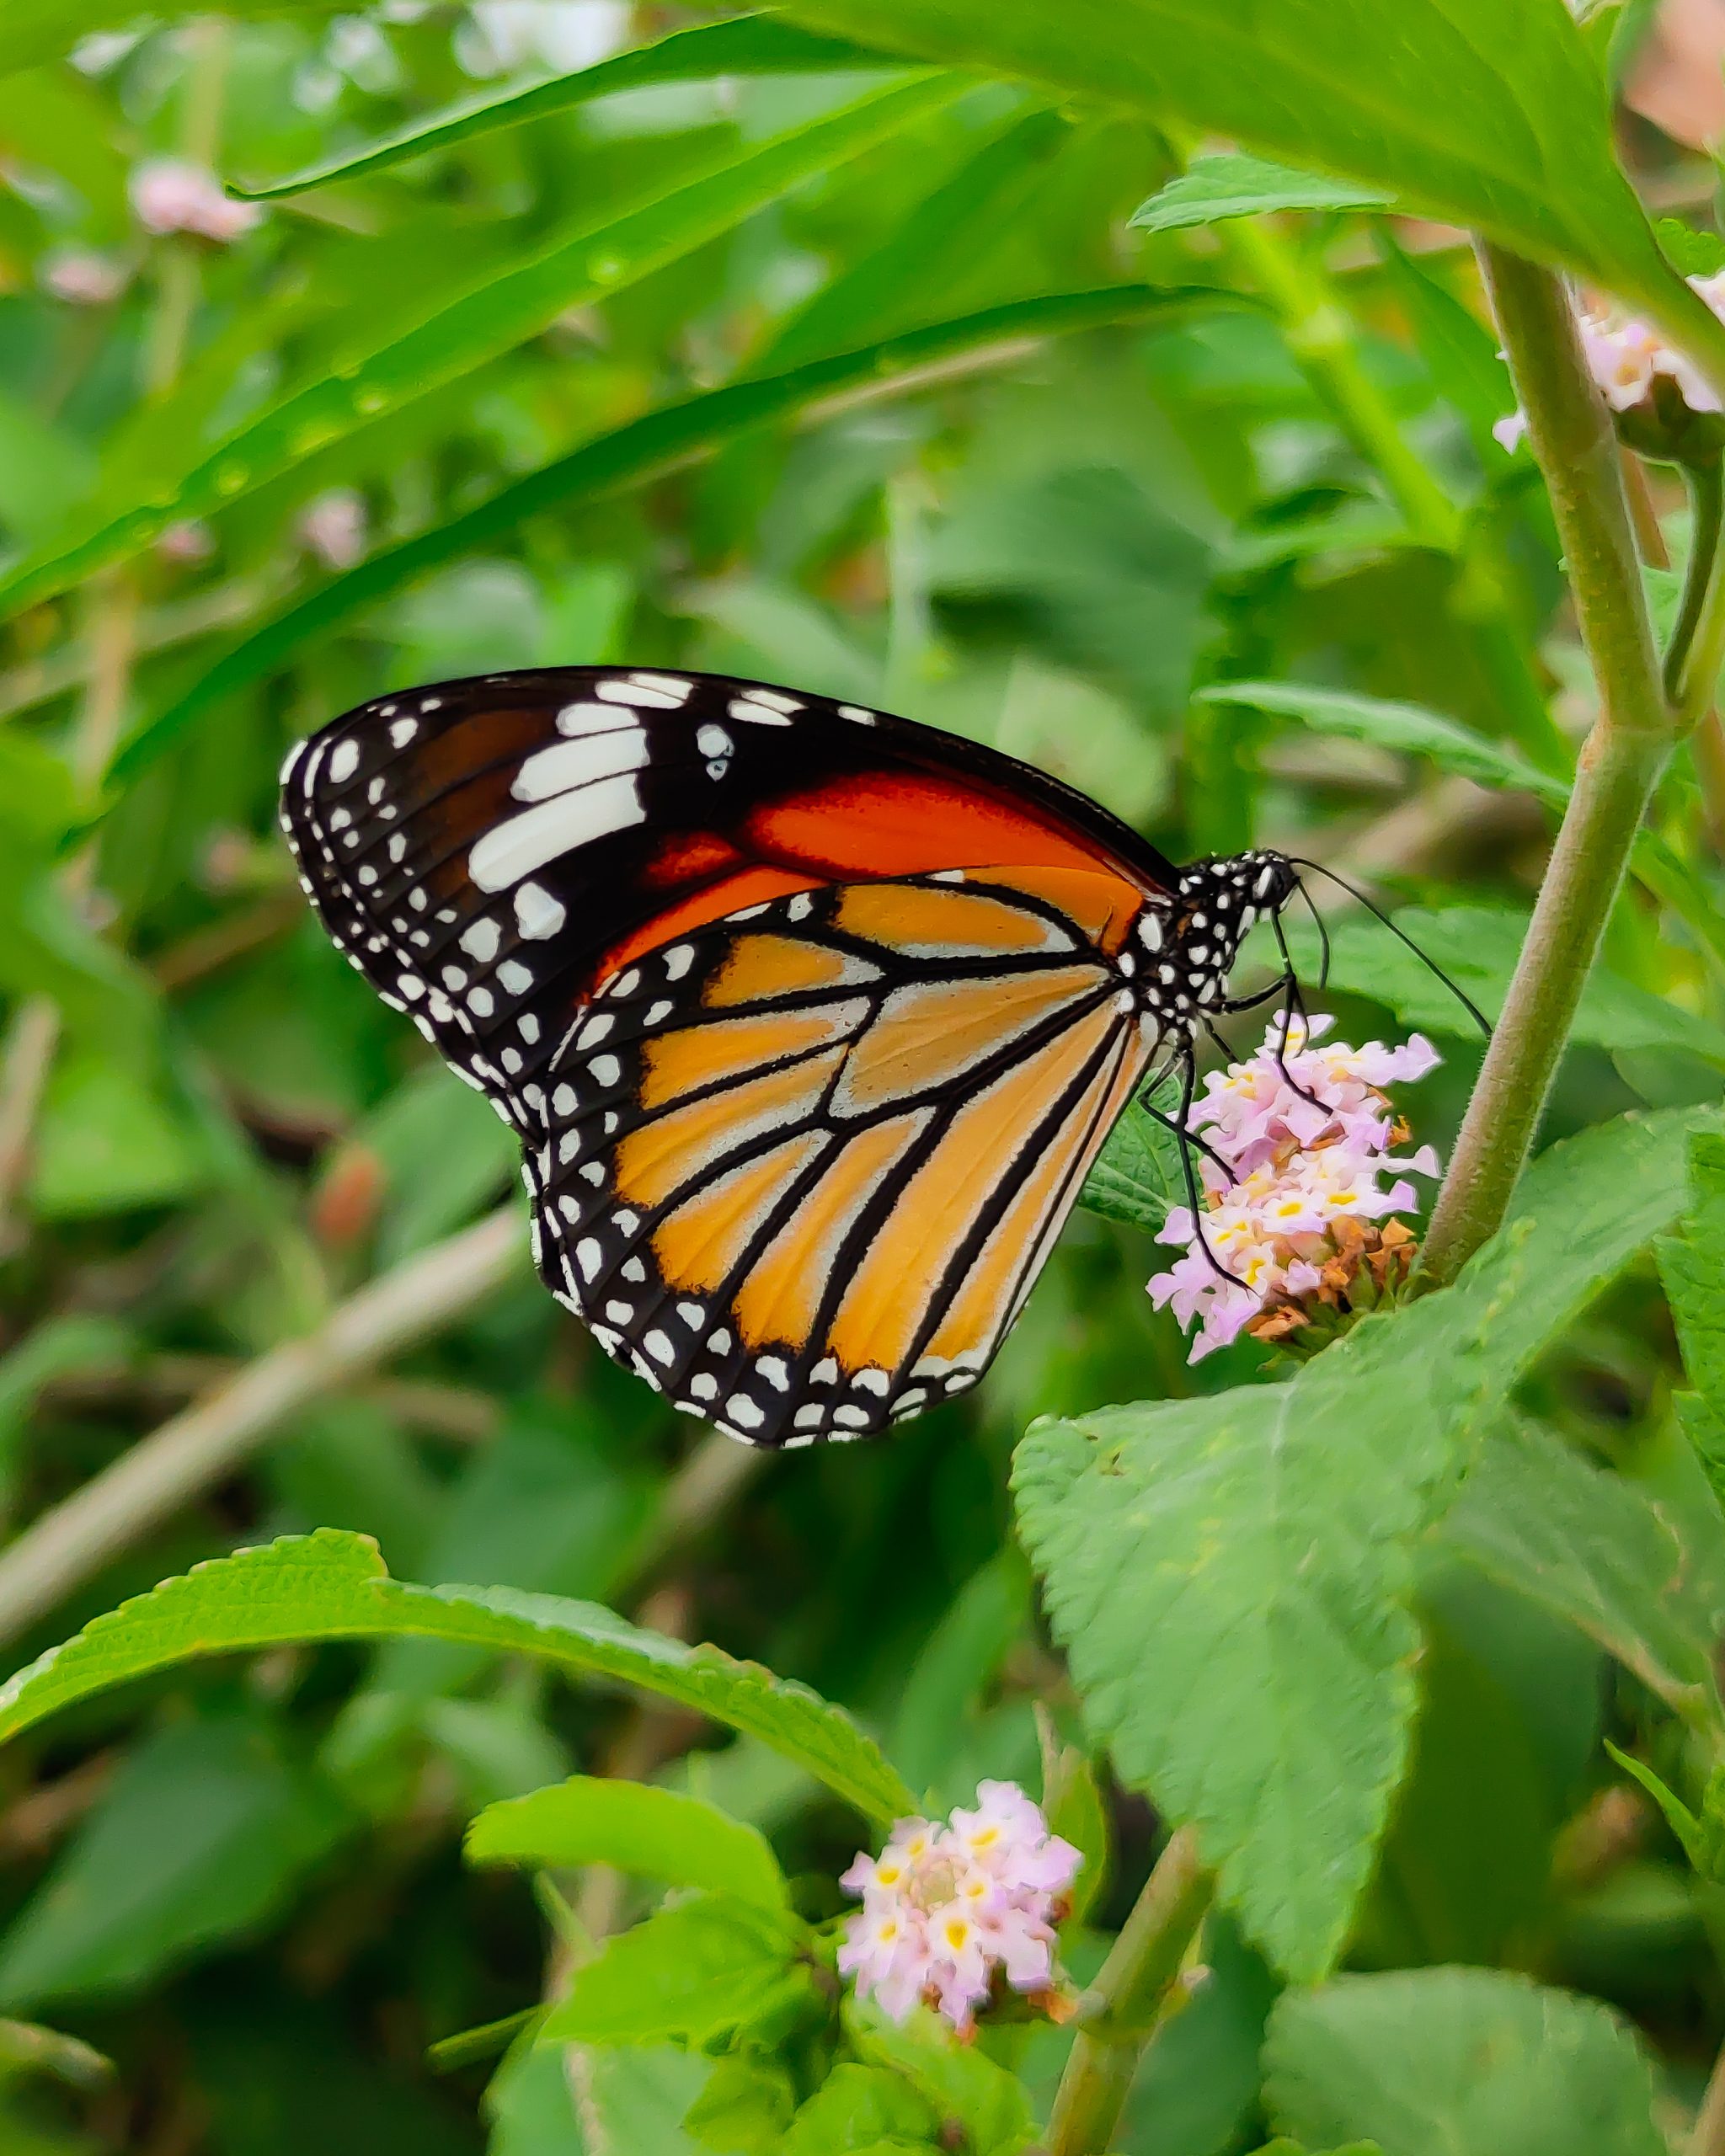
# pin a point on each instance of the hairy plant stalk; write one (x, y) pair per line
(1620, 765)
(1130, 1998)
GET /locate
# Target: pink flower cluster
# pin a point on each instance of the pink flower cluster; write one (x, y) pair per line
(945, 1907)
(168, 196)
(1624, 355)
(1298, 1166)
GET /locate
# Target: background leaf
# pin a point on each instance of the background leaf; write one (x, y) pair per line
(332, 1586)
(1500, 2067)
(654, 1832)
(1264, 1540)
(1228, 184)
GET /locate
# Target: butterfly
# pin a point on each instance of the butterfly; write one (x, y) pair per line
(810, 1020)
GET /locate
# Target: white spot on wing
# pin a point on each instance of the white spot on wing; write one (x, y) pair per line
(537, 914)
(569, 821)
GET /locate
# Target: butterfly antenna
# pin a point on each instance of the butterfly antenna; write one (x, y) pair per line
(1323, 937)
(1296, 1007)
(1401, 934)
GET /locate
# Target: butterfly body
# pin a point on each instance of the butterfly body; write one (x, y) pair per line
(810, 1020)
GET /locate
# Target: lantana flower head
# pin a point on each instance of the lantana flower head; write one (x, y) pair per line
(1657, 393)
(1295, 1195)
(169, 195)
(948, 1910)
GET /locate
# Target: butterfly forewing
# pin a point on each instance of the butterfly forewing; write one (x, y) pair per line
(810, 1020)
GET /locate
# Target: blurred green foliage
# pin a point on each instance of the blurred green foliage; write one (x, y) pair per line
(949, 388)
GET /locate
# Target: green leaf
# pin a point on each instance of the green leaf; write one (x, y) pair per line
(657, 442)
(1692, 1266)
(1264, 1540)
(655, 1832)
(41, 468)
(32, 31)
(1601, 1552)
(203, 1833)
(858, 2107)
(750, 45)
(330, 1586)
(631, 2102)
(907, 277)
(1690, 1833)
(38, 802)
(385, 363)
(1230, 184)
(26, 2047)
(1691, 253)
(1407, 728)
(1453, 748)
(1457, 109)
(107, 1143)
(1137, 1177)
(1477, 947)
(959, 1661)
(1475, 2062)
(693, 1972)
(969, 2094)
(744, 2108)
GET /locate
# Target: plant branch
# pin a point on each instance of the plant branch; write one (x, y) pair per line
(1129, 1999)
(1620, 764)
(212, 1437)
(1686, 654)
(1707, 2135)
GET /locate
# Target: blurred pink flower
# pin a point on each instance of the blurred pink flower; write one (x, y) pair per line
(190, 540)
(333, 527)
(82, 278)
(1626, 356)
(1303, 1173)
(168, 196)
(944, 1908)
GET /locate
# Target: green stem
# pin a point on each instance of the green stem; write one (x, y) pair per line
(1129, 1998)
(1706, 499)
(1319, 334)
(1620, 765)
(1698, 641)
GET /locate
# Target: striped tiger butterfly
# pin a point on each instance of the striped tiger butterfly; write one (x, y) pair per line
(810, 1020)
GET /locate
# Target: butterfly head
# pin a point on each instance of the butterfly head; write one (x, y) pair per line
(1190, 941)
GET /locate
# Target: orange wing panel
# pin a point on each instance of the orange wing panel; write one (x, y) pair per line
(947, 923)
(779, 1301)
(657, 1158)
(701, 1243)
(678, 1064)
(983, 1306)
(930, 1034)
(762, 967)
(883, 1308)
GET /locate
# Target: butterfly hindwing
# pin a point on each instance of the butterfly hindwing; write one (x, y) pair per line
(798, 1168)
